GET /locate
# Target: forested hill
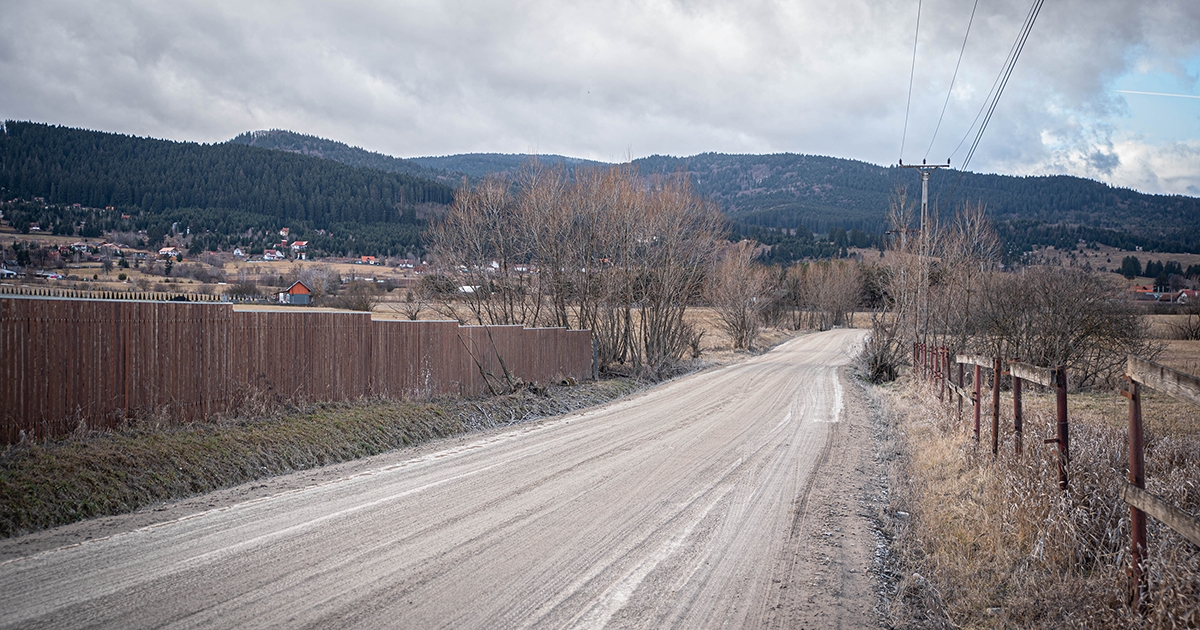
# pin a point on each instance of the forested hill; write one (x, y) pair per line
(292, 142)
(478, 165)
(789, 190)
(221, 188)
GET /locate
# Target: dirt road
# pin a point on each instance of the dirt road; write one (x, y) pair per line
(688, 505)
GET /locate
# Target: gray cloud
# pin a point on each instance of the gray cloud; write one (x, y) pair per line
(600, 80)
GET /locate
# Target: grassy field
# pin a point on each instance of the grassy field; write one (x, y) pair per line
(991, 542)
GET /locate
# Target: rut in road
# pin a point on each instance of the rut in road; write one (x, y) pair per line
(670, 508)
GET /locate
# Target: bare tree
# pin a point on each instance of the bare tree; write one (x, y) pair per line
(736, 290)
(607, 251)
(416, 299)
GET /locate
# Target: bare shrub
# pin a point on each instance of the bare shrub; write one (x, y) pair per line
(242, 290)
(736, 290)
(415, 300)
(883, 352)
(1061, 316)
(1187, 325)
(357, 296)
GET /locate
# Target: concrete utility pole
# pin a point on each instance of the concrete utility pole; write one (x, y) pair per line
(924, 253)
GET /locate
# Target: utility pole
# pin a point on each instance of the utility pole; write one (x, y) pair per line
(924, 250)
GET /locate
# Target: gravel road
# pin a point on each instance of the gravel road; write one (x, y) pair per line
(683, 506)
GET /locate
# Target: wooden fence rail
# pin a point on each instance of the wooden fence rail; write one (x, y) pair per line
(1186, 387)
(70, 363)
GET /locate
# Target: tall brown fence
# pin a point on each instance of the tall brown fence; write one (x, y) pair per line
(69, 363)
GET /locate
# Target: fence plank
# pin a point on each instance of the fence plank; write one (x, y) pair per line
(1178, 384)
(71, 362)
(1187, 525)
(1032, 373)
(974, 359)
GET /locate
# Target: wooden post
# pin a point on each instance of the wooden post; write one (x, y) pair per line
(996, 374)
(1064, 443)
(978, 377)
(1137, 518)
(1017, 420)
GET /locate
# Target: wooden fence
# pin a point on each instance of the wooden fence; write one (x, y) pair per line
(87, 294)
(933, 364)
(1185, 387)
(69, 363)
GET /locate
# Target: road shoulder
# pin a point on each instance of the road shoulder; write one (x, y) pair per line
(827, 574)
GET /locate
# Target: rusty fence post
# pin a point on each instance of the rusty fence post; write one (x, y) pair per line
(961, 384)
(996, 376)
(941, 373)
(1137, 518)
(925, 361)
(975, 399)
(1017, 419)
(1063, 439)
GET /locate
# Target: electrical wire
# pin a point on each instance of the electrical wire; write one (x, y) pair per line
(953, 79)
(998, 86)
(1037, 8)
(911, 73)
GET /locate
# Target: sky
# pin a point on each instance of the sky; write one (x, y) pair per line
(615, 80)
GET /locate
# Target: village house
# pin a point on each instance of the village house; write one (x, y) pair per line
(298, 294)
(168, 252)
(299, 250)
(272, 254)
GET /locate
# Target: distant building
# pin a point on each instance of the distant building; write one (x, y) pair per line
(272, 254)
(299, 250)
(367, 260)
(168, 252)
(297, 294)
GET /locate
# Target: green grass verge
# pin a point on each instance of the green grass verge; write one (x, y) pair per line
(47, 484)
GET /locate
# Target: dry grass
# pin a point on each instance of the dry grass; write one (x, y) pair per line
(994, 543)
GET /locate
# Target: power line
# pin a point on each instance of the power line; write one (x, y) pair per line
(1023, 37)
(998, 86)
(953, 79)
(911, 73)
(988, 99)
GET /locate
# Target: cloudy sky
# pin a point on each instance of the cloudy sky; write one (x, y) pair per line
(609, 80)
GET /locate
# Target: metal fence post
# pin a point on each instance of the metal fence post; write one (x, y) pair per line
(978, 377)
(1064, 444)
(1137, 518)
(996, 374)
(961, 384)
(943, 371)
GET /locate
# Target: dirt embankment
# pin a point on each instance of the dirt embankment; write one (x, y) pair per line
(47, 484)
